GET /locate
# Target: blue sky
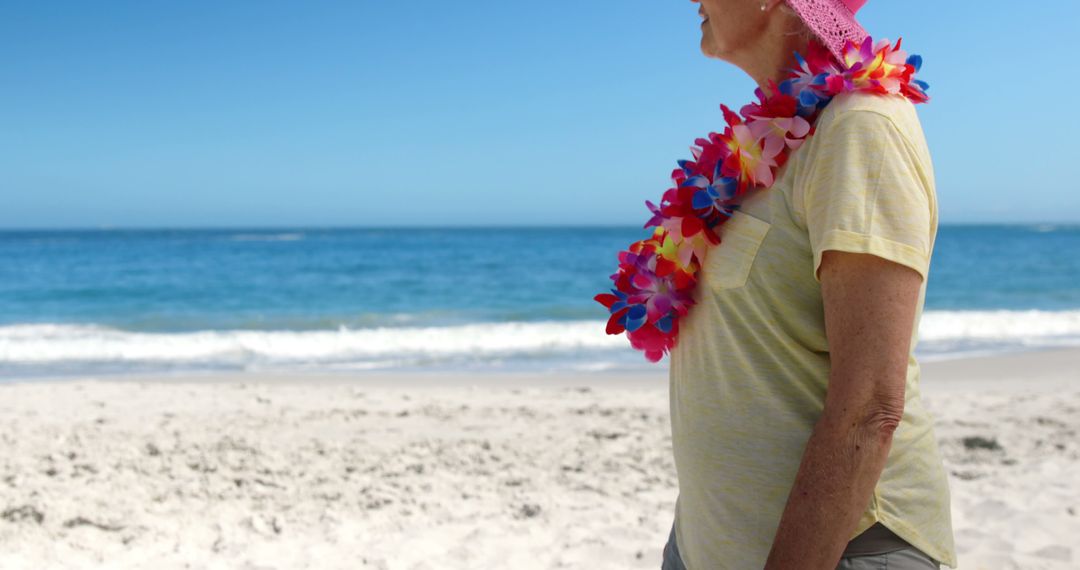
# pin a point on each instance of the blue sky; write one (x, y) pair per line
(373, 113)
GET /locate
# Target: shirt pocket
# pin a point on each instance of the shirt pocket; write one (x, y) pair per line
(727, 265)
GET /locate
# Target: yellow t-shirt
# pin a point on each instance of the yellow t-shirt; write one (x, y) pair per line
(751, 366)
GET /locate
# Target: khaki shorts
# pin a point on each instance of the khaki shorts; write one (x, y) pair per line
(909, 558)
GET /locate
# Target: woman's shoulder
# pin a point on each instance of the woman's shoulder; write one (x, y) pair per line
(871, 112)
(891, 106)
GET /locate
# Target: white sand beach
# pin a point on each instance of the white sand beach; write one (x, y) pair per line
(436, 471)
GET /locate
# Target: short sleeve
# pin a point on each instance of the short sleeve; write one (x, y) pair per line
(869, 190)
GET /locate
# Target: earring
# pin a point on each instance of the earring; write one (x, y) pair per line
(763, 7)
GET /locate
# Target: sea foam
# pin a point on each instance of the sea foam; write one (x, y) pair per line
(40, 347)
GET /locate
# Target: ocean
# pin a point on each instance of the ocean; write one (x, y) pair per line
(78, 303)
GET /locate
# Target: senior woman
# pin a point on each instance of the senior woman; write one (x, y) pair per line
(798, 432)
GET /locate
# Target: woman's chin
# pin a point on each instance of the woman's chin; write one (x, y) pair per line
(708, 43)
(710, 47)
(707, 48)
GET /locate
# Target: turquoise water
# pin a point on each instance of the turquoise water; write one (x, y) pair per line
(347, 299)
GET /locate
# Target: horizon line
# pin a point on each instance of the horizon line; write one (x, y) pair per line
(294, 227)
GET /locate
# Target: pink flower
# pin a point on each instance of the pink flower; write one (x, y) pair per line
(755, 157)
(790, 131)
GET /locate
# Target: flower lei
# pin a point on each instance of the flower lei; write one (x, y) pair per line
(656, 276)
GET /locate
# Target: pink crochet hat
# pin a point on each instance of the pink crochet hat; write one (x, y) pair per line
(832, 21)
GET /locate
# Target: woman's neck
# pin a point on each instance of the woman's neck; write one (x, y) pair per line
(774, 55)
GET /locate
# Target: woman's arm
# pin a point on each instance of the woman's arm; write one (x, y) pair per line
(870, 308)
